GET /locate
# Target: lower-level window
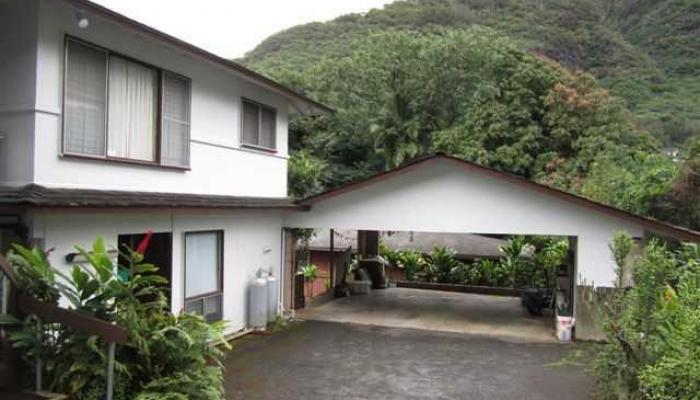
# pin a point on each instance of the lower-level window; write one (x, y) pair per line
(204, 274)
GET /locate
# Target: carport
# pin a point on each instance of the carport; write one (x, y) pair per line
(445, 194)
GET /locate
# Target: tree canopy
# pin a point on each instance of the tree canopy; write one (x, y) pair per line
(645, 52)
(473, 94)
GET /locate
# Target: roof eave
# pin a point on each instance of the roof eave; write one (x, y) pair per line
(651, 224)
(311, 106)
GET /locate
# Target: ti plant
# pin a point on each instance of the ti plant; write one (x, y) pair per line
(166, 356)
(310, 273)
(443, 264)
(513, 253)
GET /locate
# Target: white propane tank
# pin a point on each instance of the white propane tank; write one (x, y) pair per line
(257, 303)
(273, 287)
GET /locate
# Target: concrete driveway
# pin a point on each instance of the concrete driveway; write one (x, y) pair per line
(499, 316)
(327, 360)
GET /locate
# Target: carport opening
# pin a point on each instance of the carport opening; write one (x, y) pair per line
(512, 285)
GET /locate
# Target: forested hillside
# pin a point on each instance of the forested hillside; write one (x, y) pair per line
(645, 51)
(580, 95)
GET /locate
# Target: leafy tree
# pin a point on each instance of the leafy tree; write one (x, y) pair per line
(472, 93)
(633, 181)
(681, 204)
(649, 353)
(645, 52)
(305, 174)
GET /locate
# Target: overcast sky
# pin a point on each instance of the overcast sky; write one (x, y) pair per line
(229, 28)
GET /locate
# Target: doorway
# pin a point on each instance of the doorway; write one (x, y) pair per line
(158, 253)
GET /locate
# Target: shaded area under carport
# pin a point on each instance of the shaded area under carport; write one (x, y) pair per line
(499, 316)
(327, 360)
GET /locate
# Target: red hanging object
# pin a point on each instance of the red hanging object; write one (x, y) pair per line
(143, 246)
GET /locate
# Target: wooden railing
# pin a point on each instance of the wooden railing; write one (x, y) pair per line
(49, 313)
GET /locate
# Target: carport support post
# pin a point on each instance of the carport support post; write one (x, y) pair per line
(331, 262)
(572, 255)
(289, 268)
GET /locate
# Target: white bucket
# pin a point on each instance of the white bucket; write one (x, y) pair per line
(564, 327)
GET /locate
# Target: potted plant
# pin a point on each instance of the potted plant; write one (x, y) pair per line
(310, 273)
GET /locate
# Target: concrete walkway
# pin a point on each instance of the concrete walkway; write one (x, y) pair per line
(502, 317)
(328, 361)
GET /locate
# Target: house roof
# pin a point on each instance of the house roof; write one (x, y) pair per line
(465, 244)
(312, 106)
(654, 225)
(343, 239)
(40, 196)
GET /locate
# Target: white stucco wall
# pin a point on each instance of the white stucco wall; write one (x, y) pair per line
(252, 240)
(17, 91)
(219, 165)
(440, 196)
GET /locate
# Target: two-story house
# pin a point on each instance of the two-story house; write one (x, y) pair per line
(109, 127)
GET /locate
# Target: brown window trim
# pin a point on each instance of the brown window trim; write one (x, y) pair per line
(220, 291)
(258, 148)
(254, 146)
(204, 296)
(129, 161)
(157, 163)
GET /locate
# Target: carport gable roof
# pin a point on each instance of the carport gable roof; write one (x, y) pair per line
(654, 225)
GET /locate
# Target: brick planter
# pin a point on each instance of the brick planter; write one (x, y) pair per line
(449, 287)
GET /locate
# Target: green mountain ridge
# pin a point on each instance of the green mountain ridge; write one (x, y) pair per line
(645, 51)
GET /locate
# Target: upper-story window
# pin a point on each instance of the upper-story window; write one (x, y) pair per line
(119, 108)
(259, 126)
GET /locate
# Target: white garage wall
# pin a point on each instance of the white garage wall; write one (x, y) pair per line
(440, 196)
(252, 240)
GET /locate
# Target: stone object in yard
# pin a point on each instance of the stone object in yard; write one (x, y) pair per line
(362, 275)
(360, 287)
(375, 268)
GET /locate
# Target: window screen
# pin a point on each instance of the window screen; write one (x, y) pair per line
(176, 121)
(202, 263)
(250, 123)
(203, 272)
(267, 128)
(259, 123)
(85, 98)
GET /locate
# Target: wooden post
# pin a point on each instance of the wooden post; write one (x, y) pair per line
(331, 262)
(289, 269)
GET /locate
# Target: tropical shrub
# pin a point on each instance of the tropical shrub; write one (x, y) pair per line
(652, 349)
(166, 356)
(493, 272)
(310, 273)
(392, 256)
(513, 256)
(540, 270)
(443, 266)
(412, 262)
(526, 263)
